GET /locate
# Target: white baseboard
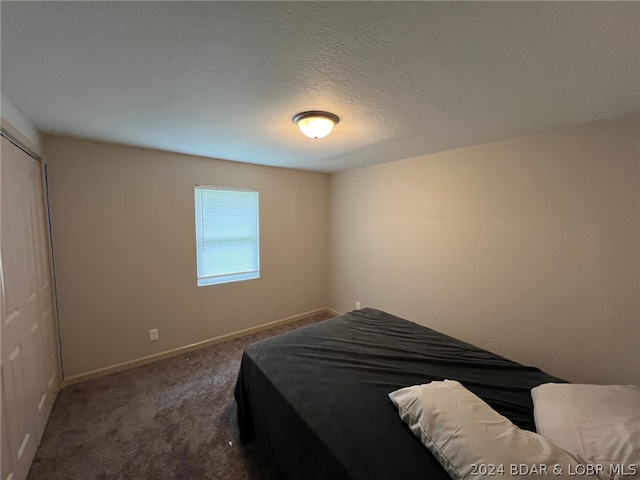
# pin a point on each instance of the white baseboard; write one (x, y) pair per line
(100, 372)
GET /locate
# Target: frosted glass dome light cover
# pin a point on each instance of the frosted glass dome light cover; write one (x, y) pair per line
(316, 124)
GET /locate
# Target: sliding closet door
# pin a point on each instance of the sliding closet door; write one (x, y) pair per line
(29, 369)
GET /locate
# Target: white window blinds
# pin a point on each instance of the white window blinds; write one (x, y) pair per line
(227, 235)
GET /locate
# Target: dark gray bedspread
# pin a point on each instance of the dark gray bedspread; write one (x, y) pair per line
(317, 396)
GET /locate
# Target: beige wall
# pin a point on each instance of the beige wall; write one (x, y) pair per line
(528, 247)
(124, 245)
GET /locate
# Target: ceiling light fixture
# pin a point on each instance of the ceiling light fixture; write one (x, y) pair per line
(316, 124)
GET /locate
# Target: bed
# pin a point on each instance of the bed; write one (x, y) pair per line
(317, 397)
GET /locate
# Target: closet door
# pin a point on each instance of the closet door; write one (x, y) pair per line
(29, 368)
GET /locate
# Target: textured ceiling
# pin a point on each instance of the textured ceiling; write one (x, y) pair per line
(224, 79)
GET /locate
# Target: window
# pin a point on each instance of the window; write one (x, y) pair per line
(227, 235)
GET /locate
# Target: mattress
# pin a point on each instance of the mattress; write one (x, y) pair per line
(317, 397)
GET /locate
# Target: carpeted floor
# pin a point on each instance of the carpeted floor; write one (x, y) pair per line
(173, 419)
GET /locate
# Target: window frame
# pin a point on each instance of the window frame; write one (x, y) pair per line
(237, 276)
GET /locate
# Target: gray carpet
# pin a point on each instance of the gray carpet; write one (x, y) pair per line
(173, 419)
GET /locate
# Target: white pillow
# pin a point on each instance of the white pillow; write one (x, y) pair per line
(600, 423)
(473, 441)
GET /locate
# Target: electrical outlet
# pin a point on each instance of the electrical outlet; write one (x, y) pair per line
(153, 335)
(357, 305)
